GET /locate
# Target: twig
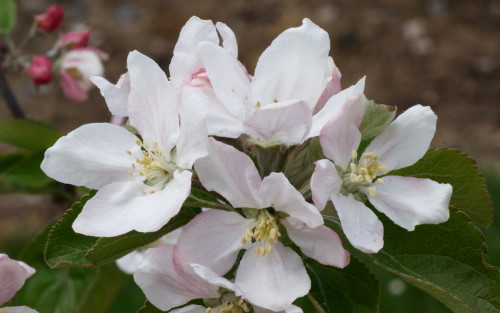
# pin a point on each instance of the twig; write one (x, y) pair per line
(9, 97)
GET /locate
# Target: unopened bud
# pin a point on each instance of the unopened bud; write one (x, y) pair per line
(78, 39)
(40, 70)
(51, 19)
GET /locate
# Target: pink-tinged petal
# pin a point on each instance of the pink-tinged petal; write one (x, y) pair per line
(325, 181)
(332, 85)
(167, 285)
(86, 62)
(193, 137)
(286, 123)
(152, 104)
(333, 107)
(407, 138)
(116, 96)
(293, 66)
(228, 77)
(18, 309)
(105, 215)
(341, 136)
(186, 59)
(277, 192)
(13, 274)
(214, 279)
(231, 173)
(360, 225)
(272, 281)
(150, 212)
(228, 39)
(212, 239)
(192, 308)
(93, 156)
(71, 88)
(410, 201)
(130, 262)
(220, 121)
(320, 243)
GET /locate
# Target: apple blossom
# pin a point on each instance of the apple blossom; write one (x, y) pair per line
(349, 180)
(77, 39)
(167, 283)
(40, 70)
(144, 181)
(270, 275)
(76, 67)
(13, 274)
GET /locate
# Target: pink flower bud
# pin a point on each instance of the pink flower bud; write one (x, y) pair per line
(40, 70)
(51, 19)
(76, 39)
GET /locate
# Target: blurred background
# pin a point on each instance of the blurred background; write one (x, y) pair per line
(439, 53)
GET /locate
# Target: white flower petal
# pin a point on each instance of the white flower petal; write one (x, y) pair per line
(228, 39)
(230, 173)
(187, 59)
(360, 225)
(192, 143)
(130, 262)
(212, 239)
(325, 181)
(407, 138)
(286, 123)
(272, 281)
(291, 309)
(150, 212)
(93, 156)
(410, 201)
(116, 96)
(332, 85)
(215, 279)
(152, 105)
(13, 274)
(320, 243)
(277, 192)
(333, 106)
(340, 136)
(164, 282)
(293, 66)
(105, 215)
(230, 82)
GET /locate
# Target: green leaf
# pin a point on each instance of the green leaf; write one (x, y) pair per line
(202, 199)
(7, 16)
(28, 134)
(470, 194)
(376, 118)
(300, 163)
(334, 290)
(20, 172)
(66, 248)
(53, 291)
(446, 261)
(149, 308)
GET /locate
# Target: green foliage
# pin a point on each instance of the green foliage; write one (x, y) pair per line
(66, 248)
(7, 16)
(300, 163)
(446, 261)
(28, 134)
(376, 118)
(66, 290)
(334, 290)
(470, 194)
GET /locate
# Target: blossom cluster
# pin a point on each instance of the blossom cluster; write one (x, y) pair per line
(213, 127)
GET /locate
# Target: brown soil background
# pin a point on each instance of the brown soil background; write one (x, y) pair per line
(444, 54)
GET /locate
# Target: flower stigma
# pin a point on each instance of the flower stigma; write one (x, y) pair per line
(265, 231)
(156, 167)
(363, 173)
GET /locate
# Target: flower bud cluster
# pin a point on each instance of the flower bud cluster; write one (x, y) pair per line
(241, 140)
